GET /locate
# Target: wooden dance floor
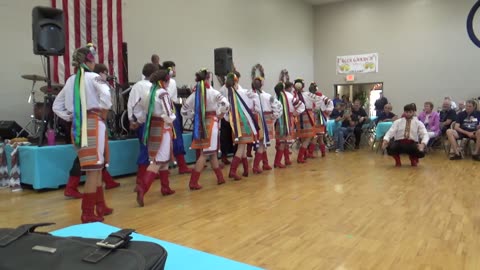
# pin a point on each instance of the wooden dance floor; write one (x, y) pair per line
(348, 211)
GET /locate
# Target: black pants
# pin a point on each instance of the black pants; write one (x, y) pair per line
(404, 147)
(358, 135)
(226, 138)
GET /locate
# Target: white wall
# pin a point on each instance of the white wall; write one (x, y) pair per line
(258, 31)
(17, 59)
(276, 33)
(424, 50)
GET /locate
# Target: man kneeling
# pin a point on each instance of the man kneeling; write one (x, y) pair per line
(407, 132)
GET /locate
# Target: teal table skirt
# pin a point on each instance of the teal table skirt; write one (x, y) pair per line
(49, 166)
(382, 129)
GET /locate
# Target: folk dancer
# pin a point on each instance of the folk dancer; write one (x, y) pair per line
(270, 109)
(205, 106)
(306, 120)
(244, 126)
(71, 189)
(86, 102)
(321, 116)
(284, 126)
(178, 147)
(410, 137)
(158, 134)
(139, 91)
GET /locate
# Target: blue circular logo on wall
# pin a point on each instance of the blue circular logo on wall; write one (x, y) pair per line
(471, 32)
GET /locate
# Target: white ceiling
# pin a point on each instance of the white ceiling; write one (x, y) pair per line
(321, 2)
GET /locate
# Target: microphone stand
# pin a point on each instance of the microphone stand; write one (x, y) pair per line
(44, 123)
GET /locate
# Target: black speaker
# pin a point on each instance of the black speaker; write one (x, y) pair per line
(47, 31)
(10, 130)
(223, 61)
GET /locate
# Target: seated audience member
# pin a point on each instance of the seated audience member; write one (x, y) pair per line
(447, 116)
(338, 111)
(467, 126)
(461, 106)
(362, 118)
(430, 119)
(349, 121)
(452, 103)
(387, 115)
(410, 137)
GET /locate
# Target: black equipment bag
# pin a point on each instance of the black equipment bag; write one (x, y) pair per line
(23, 248)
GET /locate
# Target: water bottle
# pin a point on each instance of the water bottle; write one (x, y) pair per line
(51, 136)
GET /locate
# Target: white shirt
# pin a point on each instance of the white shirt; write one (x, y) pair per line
(97, 94)
(162, 108)
(417, 131)
(216, 102)
(295, 105)
(312, 101)
(266, 102)
(139, 90)
(172, 90)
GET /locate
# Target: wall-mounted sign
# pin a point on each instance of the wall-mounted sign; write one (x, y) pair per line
(361, 63)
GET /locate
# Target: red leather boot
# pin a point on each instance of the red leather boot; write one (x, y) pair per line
(286, 153)
(219, 174)
(256, 163)
(225, 160)
(301, 155)
(245, 167)
(142, 189)
(182, 165)
(71, 190)
(108, 180)
(100, 206)
(265, 166)
(311, 150)
(413, 161)
(398, 162)
(165, 183)
(233, 168)
(88, 208)
(322, 149)
(194, 180)
(142, 168)
(278, 159)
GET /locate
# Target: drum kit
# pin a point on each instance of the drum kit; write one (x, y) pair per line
(42, 111)
(44, 118)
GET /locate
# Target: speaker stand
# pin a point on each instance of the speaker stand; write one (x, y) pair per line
(44, 123)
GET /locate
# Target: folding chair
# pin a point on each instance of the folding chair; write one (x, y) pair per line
(350, 141)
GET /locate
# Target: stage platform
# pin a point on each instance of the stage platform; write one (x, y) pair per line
(179, 257)
(49, 166)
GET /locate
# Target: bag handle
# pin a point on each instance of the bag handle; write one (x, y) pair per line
(116, 240)
(19, 232)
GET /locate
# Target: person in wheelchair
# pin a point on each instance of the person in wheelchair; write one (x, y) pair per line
(467, 126)
(409, 137)
(349, 121)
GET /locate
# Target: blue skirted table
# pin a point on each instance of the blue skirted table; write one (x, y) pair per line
(382, 129)
(332, 125)
(49, 166)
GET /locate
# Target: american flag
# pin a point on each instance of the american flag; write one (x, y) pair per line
(95, 21)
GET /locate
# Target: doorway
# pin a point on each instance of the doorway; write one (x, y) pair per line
(367, 93)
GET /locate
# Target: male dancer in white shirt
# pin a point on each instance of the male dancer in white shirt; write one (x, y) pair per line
(410, 137)
(178, 147)
(135, 112)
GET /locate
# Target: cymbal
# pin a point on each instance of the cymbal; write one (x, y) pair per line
(55, 89)
(34, 77)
